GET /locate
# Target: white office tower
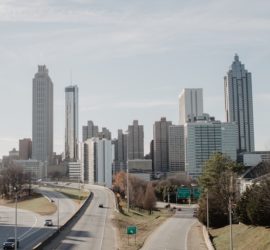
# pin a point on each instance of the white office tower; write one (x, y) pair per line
(161, 145)
(71, 122)
(239, 104)
(42, 123)
(176, 148)
(98, 161)
(203, 137)
(135, 141)
(190, 104)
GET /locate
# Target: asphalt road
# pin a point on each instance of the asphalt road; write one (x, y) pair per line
(30, 229)
(172, 234)
(93, 230)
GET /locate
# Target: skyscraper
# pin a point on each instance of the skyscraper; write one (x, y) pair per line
(98, 161)
(135, 141)
(121, 150)
(176, 148)
(239, 104)
(190, 104)
(161, 145)
(203, 137)
(25, 149)
(42, 116)
(71, 122)
(89, 131)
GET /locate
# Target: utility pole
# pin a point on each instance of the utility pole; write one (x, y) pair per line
(16, 223)
(207, 210)
(58, 208)
(230, 211)
(127, 174)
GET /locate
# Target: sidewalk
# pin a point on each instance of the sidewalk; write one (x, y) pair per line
(195, 239)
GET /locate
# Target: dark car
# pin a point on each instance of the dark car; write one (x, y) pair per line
(100, 205)
(10, 243)
(48, 223)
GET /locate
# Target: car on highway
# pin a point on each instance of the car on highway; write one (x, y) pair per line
(100, 205)
(10, 243)
(48, 223)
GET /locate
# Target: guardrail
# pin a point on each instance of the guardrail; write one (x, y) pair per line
(72, 221)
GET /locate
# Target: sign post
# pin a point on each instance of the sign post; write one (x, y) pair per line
(131, 230)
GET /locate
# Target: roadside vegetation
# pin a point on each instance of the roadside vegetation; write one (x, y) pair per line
(145, 223)
(250, 210)
(142, 202)
(76, 195)
(244, 237)
(37, 204)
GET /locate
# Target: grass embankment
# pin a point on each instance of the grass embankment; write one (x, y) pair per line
(35, 203)
(74, 194)
(145, 224)
(244, 237)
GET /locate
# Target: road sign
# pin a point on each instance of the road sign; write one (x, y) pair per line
(196, 193)
(183, 193)
(131, 230)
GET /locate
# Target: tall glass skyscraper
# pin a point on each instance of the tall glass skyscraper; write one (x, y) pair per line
(239, 104)
(71, 122)
(42, 116)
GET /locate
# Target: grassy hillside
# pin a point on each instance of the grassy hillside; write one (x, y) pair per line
(244, 237)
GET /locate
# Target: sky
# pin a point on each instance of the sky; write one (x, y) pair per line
(130, 60)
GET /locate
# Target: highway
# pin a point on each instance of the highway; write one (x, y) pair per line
(94, 229)
(30, 229)
(172, 234)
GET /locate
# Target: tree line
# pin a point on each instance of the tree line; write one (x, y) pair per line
(220, 182)
(14, 180)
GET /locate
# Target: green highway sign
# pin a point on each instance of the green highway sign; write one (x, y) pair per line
(131, 230)
(196, 193)
(183, 193)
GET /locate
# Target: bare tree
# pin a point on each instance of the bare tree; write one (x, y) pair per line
(149, 202)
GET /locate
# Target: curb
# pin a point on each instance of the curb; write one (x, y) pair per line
(207, 239)
(52, 236)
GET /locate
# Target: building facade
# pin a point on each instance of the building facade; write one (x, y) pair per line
(71, 123)
(25, 149)
(98, 161)
(190, 104)
(89, 131)
(135, 141)
(176, 148)
(42, 116)
(120, 160)
(204, 137)
(239, 104)
(161, 145)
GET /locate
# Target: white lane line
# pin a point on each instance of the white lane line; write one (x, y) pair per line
(30, 229)
(102, 236)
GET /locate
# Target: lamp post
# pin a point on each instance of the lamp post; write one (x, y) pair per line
(127, 189)
(230, 211)
(16, 200)
(207, 210)
(58, 208)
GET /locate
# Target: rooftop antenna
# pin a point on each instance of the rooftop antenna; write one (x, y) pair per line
(71, 76)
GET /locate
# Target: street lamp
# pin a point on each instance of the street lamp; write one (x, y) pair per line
(207, 209)
(230, 211)
(58, 208)
(127, 174)
(16, 207)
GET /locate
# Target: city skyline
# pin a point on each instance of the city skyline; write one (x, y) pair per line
(128, 69)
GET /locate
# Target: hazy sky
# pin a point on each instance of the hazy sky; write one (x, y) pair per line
(130, 60)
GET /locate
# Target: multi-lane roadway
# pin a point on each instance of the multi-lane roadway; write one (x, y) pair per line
(30, 226)
(94, 229)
